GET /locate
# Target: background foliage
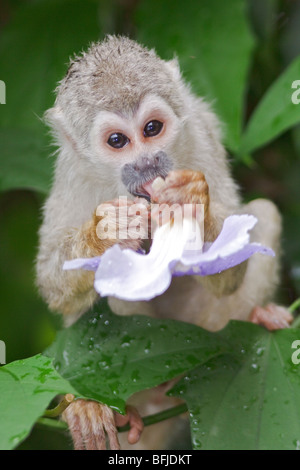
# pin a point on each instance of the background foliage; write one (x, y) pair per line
(242, 55)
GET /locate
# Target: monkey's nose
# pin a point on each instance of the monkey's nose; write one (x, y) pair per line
(154, 162)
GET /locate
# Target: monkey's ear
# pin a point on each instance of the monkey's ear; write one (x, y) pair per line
(55, 118)
(174, 67)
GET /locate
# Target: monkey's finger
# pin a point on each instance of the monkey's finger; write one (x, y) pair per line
(136, 425)
(183, 187)
(183, 177)
(142, 200)
(138, 210)
(73, 421)
(93, 428)
(135, 422)
(110, 427)
(110, 208)
(164, 213)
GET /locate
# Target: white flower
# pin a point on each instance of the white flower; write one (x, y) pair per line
(129, 275)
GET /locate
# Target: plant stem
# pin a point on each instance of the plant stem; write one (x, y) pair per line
(63, 404)
(161, 416)
(292, 308)
(148, 420)
(294, 305)
(296, 322)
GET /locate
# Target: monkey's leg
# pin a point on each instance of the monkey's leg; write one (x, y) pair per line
(262, 276)
(93, 425)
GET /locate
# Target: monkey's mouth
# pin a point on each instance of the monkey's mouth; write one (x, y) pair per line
(145, 190)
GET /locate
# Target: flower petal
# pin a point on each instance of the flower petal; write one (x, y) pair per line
(233, 237)
(176, 250)
(133, 276)
(219, 264)
(90, 264)
(230, 248)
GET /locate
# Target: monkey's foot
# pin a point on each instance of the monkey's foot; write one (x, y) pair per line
(135, 422)
(90, 424)
(272, 317)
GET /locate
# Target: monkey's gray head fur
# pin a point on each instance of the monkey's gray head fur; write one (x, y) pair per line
(145, 169)
(114, 75)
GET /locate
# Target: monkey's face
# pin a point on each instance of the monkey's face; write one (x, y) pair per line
(139, 146)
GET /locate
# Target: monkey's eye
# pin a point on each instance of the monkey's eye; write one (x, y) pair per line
(152, 128)
(118, 140)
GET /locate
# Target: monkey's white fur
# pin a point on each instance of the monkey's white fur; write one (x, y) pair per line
(120, 79)
(120, 82)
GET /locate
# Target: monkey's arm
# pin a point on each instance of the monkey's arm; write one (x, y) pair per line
(72, 292)
(67, 292)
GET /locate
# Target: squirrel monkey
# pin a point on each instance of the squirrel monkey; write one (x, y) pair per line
(123, 117)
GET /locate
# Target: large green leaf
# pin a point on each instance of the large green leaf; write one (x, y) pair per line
(26, 388)
(34, 51)
(249, 399)
(214, 44)
(242, 392)
(108, 358)
(275, 113)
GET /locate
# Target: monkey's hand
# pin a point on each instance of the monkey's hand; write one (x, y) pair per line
(186, 187)
(93, 426)
(183, 187)
(190, 187)
(119, 221)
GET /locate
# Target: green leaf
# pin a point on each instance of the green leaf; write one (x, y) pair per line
(26, 389)
(34, 51)
(275, 113)
(108, 358)
(214, 44)
(249, 399)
